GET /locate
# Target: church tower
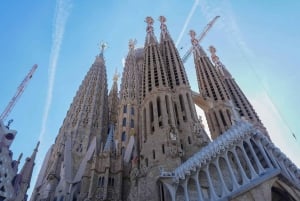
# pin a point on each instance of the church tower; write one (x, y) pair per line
(191, 134)
(241, 103)
(127, 137)
(102, 177)
(218, 110)
(85, 125)
(160, 144)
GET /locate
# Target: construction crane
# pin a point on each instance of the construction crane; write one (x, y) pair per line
(18, 93)
(204, 32)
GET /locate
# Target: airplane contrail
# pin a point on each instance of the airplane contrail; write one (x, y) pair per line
(62, 11)
(187, 21)
(60, 18)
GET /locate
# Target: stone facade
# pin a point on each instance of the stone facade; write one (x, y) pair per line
(147, 143)
(13, 183)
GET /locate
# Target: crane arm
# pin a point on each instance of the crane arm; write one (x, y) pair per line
(202, 35)
(18, 93)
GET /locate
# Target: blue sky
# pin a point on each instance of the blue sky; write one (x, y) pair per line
(258, 41)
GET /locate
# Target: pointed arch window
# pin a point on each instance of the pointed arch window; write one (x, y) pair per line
(125, 109)
(101, 181)
(146, 162)
(132, 123)
(123, 136)
(181, 101)
(124, 122)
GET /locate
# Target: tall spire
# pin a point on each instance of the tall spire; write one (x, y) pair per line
(174, 66)
(113, 100)
(26, 174)
(184, 107)
(126, 137)
(86, 119)
(240, 102)
(219, 114)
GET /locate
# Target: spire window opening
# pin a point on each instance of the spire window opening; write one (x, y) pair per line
(176, 114)
(229, 115)
(124, 122)
(151, 116)
(125, 109)
(101, 181)
(216, 120)
(123, 138)
(189, 140)
(153, 154)
(159, 111)
(163, 148)
(145, 125)
(222, 117)
(111, 182)
(182, 108)
(146, 162)
(132, 123)
(190, 106)
(167, 106)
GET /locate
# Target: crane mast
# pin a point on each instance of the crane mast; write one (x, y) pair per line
(18, 93)
(202, 35)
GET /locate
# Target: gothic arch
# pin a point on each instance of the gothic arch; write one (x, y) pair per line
(234, 167)
(259, 154)
(163, 192)
(281, 191)
(179, 194)
(204, 185)
(225, 173)
(75, 192)
(243, 161)
(246, 147)
(192, 189)
(215, 179)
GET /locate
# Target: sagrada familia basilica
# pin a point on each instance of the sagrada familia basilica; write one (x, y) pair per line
(146, 141)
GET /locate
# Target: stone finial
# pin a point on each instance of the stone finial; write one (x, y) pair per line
(195, 43)
(194, 40)
(37, 146)
(19, 159)
(116, 76)
(132, 43)
(149, 21)
(213, 51)
(102, 47)
(193, 34)
(163, 26)
(162, 19)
